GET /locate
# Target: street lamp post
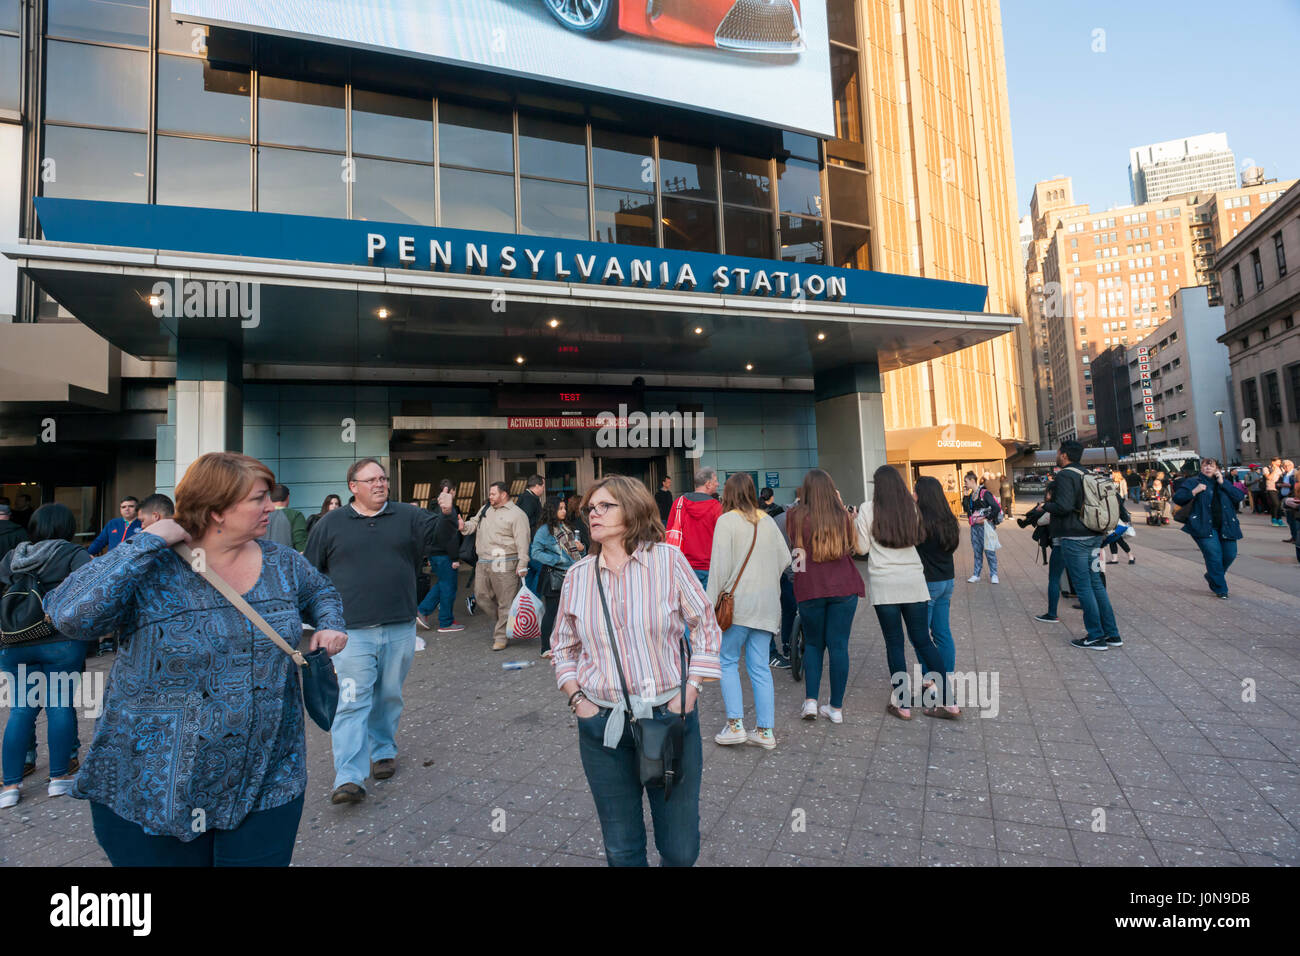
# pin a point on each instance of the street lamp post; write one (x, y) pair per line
(1223, 448)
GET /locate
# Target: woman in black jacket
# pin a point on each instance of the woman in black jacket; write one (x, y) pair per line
(46, 560)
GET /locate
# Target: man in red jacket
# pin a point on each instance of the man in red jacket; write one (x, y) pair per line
(695, 515)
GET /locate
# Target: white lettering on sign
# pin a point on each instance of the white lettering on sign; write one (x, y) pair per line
(958, 443)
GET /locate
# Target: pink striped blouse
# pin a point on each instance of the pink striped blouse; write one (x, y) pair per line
(651, 600)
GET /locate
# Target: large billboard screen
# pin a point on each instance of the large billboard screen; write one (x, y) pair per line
(762, 60)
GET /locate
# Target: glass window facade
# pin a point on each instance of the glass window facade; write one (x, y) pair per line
(96, 85)
(96, 164)
(107, 21)
(194, 97)
(196, 172)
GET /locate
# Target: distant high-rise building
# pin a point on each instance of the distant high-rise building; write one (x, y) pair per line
(1160, 170)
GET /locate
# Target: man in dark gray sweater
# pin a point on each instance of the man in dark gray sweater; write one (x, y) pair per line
(372, 550)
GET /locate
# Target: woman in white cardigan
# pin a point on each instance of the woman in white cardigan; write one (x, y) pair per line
(754, 577)
(891, 524)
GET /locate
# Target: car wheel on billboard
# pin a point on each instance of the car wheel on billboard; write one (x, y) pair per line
(594, 18)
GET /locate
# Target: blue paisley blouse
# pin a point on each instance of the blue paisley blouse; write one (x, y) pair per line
(203, 712)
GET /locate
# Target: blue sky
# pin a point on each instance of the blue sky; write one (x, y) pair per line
(1169, 69)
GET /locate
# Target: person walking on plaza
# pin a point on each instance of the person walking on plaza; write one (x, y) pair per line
(45, 561)
(1081, 551)
(11, 533)
(610, 672)
(891, 526)
(1272, 475)
(1007, 494)
(372, 550)
(202, 762)
(502, 543)
(1287, 489)
(694, 515)
(329, 504)
(749, 555)
(118, 530)
(940, 535)
(1213, 522)
(767, 501)
(827, 586)
(554, 549)
(154, 508)
(982, 513)
(530, 503)
(664, 498)
(445, 563)
(288, 520)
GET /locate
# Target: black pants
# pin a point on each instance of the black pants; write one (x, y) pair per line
(552, 602)
(265, 838)
(1119, 543)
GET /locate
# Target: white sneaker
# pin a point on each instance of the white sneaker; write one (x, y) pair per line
(732, 733)
(809, 711)
(419, 643)
(764, 738)
(973, 579)
(835, 716)
(993, 580)
(9, 798)
(61, 788)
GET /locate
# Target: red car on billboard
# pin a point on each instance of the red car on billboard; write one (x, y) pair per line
(749, 26)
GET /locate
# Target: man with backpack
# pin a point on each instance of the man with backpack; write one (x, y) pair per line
(1084, 509)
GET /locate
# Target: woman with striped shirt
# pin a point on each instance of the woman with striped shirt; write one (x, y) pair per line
(652, 596)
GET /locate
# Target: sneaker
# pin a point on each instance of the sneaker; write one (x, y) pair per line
(348, 793)
(809, 711)
(1115, 641)
(834, 715)
(451, 628)
(1132, 559)
(1048, 619)
(60, 788)
(419, 643)
(993, 579)
(423, 622)
(973, 579)
(762, 736)
(778, 661)
(1222, 597)
(1090, 643)
(9, 798)
(471, 603)
(732, 733)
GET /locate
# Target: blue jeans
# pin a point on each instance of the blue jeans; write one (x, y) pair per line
(53, 661)
(788, 610)
(826, 626)
(1219, 553)
(1055, 568)
(944, 650)
(1083, 564)
(371, 669)
(442, 596)
(264, 838)
(754, 645)
(977, 543)
(916, 618)
(615, 783)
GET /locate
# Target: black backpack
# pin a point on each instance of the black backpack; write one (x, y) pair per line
(468, 549)
(22, 612)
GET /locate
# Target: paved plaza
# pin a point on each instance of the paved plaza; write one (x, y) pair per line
(1156, 734)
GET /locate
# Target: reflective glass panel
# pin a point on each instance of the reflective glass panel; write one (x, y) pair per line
(296, 113)
(550, 149)
(194, 97)
(799, 187)
(111, 21)
(687, 170)
(176, 37)
(476, 139)
(473, 200)
(841, 21)
(748, 233)
(746, 180)
(802, 240)
(625, 217)
(393, 192)
(396, 126)
(847, 94)
(96, 85)
(852, 247)
(307, 184)
(10, 72)
(848, 190)
(692, 226)
(196, 172)
(96, 164)
(10, 17)
(553, 209)
(618, 159)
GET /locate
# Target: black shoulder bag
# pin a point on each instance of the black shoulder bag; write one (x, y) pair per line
(660, 740)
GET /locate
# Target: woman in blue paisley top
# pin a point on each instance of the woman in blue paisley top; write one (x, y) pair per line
(199, 758)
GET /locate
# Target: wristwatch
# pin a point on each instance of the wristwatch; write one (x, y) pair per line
(699, 688)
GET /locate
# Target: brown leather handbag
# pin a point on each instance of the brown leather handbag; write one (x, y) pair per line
(725, 608)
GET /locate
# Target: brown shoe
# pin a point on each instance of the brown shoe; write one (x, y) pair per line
(383, 769)
(499, 645)
(348, 793)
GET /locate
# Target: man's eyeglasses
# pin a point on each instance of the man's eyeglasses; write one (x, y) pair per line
(381, 480)
(600, 509)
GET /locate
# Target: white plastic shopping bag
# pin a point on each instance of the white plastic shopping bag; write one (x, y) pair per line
(525, 620)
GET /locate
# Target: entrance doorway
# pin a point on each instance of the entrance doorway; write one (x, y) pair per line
(420, 478)
(647, 470)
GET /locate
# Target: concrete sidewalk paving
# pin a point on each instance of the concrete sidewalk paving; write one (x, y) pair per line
(1180, 748)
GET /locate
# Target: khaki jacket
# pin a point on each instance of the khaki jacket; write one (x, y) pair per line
(502, 533)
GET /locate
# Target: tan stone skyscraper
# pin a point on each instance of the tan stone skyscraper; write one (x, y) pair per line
(941, 197)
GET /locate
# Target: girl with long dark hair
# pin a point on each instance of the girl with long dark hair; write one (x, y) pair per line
(827, 586)
(940, 536)
(554, 547)
(891, 525)
(329, 504)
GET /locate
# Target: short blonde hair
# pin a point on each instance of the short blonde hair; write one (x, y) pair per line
(216, 481)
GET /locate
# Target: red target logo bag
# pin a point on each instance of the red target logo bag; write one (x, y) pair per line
(525, 620)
